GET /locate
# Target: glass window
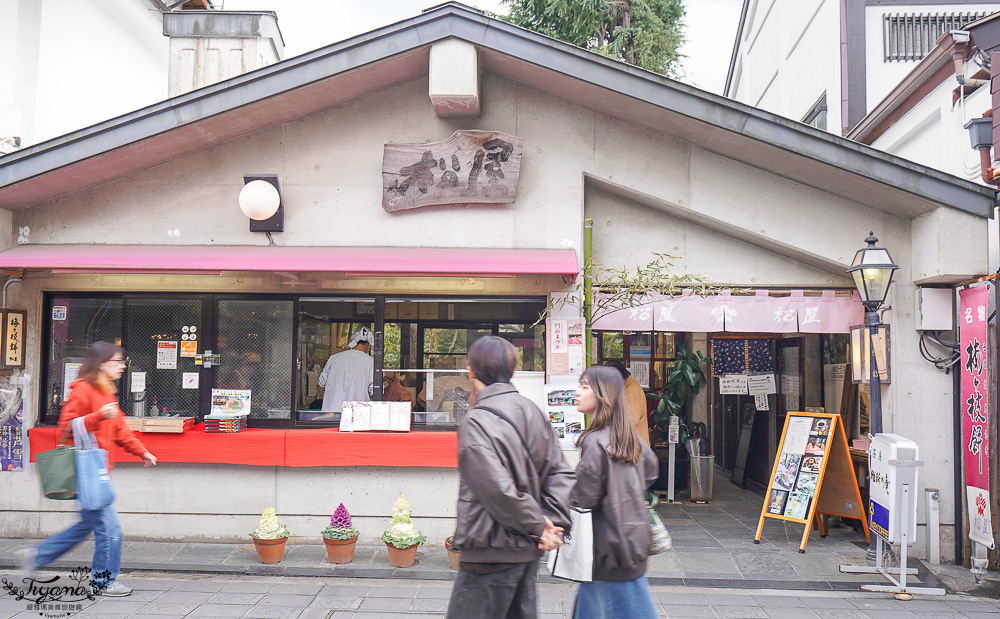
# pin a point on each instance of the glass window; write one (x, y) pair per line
(255, 343)
(153, 330)
(82, 321)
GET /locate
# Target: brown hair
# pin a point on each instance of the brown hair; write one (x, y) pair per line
(492, 359)
(608, 386)
(98, 354)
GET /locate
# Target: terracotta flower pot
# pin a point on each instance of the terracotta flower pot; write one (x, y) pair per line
(454, 556)
(269, 550)
(402, 557)
(340, 550)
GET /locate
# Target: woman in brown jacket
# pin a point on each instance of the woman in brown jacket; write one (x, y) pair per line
(93, 398)
(616, 468)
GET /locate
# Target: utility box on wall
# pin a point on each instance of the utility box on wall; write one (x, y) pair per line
(935, 307)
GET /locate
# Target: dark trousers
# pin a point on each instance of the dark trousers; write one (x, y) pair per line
(509, 594)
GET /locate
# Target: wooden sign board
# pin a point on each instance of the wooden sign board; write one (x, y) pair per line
(812, 475)
(470, 167)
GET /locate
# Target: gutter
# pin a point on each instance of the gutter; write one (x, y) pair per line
(736, 48)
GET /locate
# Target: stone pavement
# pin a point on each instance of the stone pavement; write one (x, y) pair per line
(192, 595)
(713, 547)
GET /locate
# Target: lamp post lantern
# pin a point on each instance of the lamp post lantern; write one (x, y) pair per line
(872, 271)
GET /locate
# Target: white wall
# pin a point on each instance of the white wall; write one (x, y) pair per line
(68, 64)
(790, 57)
(881, 76)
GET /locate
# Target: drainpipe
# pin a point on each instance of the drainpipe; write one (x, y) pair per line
(959, 52)
(588, 284)
(10, 280)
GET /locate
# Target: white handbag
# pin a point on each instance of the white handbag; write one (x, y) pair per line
(574, 560)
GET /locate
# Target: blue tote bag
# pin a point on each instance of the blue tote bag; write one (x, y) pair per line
(93, 483)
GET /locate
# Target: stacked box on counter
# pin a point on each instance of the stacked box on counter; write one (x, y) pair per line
(225, 423)
(172, 425)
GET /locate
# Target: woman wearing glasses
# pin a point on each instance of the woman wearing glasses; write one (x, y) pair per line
(93, 397)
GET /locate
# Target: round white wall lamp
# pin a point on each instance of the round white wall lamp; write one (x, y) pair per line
(259, 200)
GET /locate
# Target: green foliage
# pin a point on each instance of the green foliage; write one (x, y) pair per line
(682, 384)
(335, 533)
(644, 33)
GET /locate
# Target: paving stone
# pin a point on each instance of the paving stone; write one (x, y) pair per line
(115, 606)
(778, 601)
(247, 587)
(166, 608)
(185, 597)
(755, 565)
(274, 612)
(286, 599)
(297, 588)
(210, 586)
(384, 604)
(827, 602)
(688, 610)
(741, 612)
(728, 599)
(221, 610)
(680, 598)
(432, 605)
(336, 602)
(840, 613)
(346, 590)
(789, 612)
(235, 598)
(391, 592)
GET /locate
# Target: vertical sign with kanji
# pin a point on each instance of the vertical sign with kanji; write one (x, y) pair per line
(13, 338)
(975, 410)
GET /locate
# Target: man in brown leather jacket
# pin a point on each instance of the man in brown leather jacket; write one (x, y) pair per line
(514, 491)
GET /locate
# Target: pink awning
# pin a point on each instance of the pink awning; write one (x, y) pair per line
(689, 312)
(389, 261)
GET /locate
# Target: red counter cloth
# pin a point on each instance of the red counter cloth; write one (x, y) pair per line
(280, 447)
(331, 447)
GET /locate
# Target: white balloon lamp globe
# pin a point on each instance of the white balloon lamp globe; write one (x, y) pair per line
(259, 200)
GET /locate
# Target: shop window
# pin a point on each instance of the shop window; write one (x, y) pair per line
(152, 385)
(255, 346)
(73, 324)
(649, 356)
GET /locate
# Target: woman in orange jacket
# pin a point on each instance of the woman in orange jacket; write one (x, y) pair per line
(93, 397)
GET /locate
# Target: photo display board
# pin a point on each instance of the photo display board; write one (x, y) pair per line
(812, 474)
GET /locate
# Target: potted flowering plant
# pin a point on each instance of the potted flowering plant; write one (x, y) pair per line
(269, 537)
(402, 538)
(454, 556)
(340, 537)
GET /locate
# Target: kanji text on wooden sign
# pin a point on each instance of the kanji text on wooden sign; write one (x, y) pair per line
(470, 167)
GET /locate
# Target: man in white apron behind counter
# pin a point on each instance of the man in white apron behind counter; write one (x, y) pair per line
(348, 375)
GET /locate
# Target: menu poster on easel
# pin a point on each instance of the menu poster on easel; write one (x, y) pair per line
(809, 444)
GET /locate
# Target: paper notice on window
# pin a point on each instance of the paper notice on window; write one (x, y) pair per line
(189, 380)
(166, 355)
(733, 384)
(797, 435)
(138, 382)
(760, 401)
(761, 384)
(70, 373)
(640, 372)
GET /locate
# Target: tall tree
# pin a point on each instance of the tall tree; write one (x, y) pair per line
(645, 33)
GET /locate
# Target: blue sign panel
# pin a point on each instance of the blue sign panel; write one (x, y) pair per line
(878, 519)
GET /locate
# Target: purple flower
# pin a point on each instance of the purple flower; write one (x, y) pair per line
(340, 519)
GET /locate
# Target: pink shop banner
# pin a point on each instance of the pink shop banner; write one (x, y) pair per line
(975, 408)
(760, 312)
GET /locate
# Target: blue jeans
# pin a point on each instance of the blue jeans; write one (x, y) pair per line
(107, 543)
(603, 599)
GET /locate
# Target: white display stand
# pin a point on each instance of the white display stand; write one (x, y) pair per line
(673, 437)
(892, 511)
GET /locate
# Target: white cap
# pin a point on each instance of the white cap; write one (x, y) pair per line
(363, 334)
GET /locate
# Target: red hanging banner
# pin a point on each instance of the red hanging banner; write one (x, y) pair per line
(975, 408)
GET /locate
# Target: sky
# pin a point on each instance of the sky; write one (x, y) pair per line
(310, 24)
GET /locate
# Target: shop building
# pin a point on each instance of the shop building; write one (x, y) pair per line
(130, 231)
